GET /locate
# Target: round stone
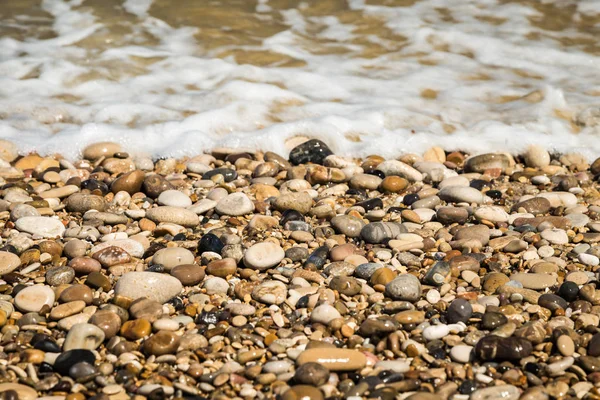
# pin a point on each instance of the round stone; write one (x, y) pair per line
(460, 310)
(235, 204)
(136, 329)
(80, 202)
(404, 287)
(565, 345)
(60, 276)
(155, 286)
(347, 225)
(107, 321)
(84, 265)
(76, 292)
(311, 373)
(174, 215)
(270, 292)
(22, 392)
(33, 298)
(222, 268)
(188, 274)
(162, 342)
(302, 392)
(324, 314)
(174, 198)
(263, 256)
(216, 285)
(8, 262)
(171, 257)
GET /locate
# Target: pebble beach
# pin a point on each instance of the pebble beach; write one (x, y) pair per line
(228, 275)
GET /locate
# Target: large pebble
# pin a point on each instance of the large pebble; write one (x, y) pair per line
(171, 257)
(45, 227)
(33, 298)
(174, 215)
(404, 287)
(398, 168)
(235, 204)
(174, 198)
(263, 256)
(155, 286)
(8, 262)
(83, 336)
(324, 314)
(270, 292)
(334, 359)
(461, 194)
(504, 392)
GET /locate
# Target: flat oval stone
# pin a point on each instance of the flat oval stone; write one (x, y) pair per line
(504, 392)
(8, 262)
(23, 392)
(333, 359)
(162, 342)
(312, 151)
(483, 162)
(33, 298)
(171, 257)
(311, 373)
(174, 215)
(302, 392)
(67, 359)
(347, 225)
(398, 168)
(188, 274)
(45, 227)
(235, 204)
(535, 206)
(174, 198)
(404, 287)
(222, 268)
(300, 201)
(496, 347)
(324, 314)
(378, 232)
(111, 255)
(108, 321)
(270, 292)
(263, 256)
(155, 286)
(80, 202)
(83, 336)
(534, 281)
(461, 194)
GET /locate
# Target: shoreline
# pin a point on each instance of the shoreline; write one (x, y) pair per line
(428, 277)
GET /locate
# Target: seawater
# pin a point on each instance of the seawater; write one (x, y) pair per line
(178, 77)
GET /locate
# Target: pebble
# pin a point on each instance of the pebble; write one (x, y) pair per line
(270, 292)
(174, 215)
(235, 204)
(324, 314)
(333, 359)
(45, 227)
(8, 262)
(174, 198)
(83, 336)
(404, 287)
(33, 298)
(171, 257)
(155, 286)
(504, 392)
(262, 256)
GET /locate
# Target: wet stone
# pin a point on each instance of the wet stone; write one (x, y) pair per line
(313, 151)
(404, 287)
(495, 347)
(460, 310)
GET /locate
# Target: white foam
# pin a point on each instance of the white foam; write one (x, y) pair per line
(183, 100)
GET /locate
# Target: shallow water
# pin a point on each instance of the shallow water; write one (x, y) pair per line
(367, 76)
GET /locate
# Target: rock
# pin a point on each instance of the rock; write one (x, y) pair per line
(491, 213)
(23, 210)
(263, 256)
(483, 162)
(60, 276)
(535, 206)
(171, 257)
(460, 310)
(534, 281)
(461, 194)
(398, 168)
(302, 392)
(155, 184)
(22, 392)
(101, 149)
(324, 314)
(111, 255)
(210, 243)
(537, 157)
(480, 233)
(147, 309)
(504, 392)
(333, 359)
(500, 348)
(80, 202)
(202, 206)
(222, 268)
(301, 202)
(174, 198)
(311, 373)
(347, 225)
(216, 285)
(312, 151)
(136, 329)
(449, 215)
(83, 336)
(188, 274)
(228, 174)
(404, 287)
(270, 292)
(76, 292)
(85, 265)
(235, 204)
(461, 353)
(174, 215)
(378, 232)
(108, 321)
(33, 298)
(45, 227)
(162, 342)
(345, 285)
(555, 236)
(365, 181)
(393, 184)
(8, 151)
(67, 359)
(8, 262)
(130, 182)
(155, 286)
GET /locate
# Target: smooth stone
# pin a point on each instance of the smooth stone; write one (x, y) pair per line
(435, 332)
(534, 281)
(491, 213)
(216, 285)
(483, 162)
(552, 302)
(23, 392)
(461, 194)
(311, 373)
(504, 392)
(450, 215)
(162, 342)
(262, 256)
(174, 198)
(8, 262)
(136, 329)
(565, 345)
(85, 265)
(270, 292)
(537, 156)
(555, 236)
(23, 210)
(333, 359)
(33, 298)
(153, 185)
(365, 182)
(324, 314)
(101, 149)
(312, 151)
(108, 321)
(480, 233)
(67, 359)
(189, 274)
(131, 182)
(348, 225)
(300, 201)
(404, 287)
(60, 276)
(460, 310)
(202, 206)
(131, 246)
(461, 353)
(496, 347)
(378, 232)
(76, 292)
(155, 286)
(302, 392)
(235, 205)
(82, 203)
(45, 227)
(558, 199)
(171, 257)
(398, 168)
(111, 255)
(67, 309)
(535, 206)
(222, 268)
(147, 309)
(366, 270)
(83, 336)
(174, 215)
